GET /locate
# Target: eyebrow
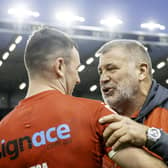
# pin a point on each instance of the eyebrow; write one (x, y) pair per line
(106, 65)
(111, 64)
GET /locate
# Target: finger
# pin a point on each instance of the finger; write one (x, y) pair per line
(110, 129)
(115, 136)
(122, 141)
(110, 118)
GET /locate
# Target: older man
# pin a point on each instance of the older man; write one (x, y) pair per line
(128, 87)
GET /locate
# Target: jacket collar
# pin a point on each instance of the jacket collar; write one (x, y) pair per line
(157, 96)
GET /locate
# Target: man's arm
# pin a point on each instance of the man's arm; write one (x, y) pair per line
(123, 130)
(133, 157)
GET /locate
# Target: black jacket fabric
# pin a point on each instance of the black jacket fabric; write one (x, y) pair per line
(157, 97)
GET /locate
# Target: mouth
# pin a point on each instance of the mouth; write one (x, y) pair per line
(108, 91)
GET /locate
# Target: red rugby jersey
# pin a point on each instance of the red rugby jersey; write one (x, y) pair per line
(53, 130)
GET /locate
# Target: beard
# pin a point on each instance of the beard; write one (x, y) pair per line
(123, 94)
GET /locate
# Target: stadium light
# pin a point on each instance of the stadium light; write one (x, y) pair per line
(5, 56)
(68, 17)
(89, 60)
(1, 63)
(166, 81)
(21, 12)
(18, 39)
(161, 65)
(22, 85)
(81, 68)
(97, 55)
(111, 22)
(12, 47)
(153, 71)
(152, 26)
(93, 88)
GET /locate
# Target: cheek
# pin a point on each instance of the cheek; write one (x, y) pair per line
(129, 82)
(72, 76)
(119, 76)
(124, 78)
(126, 75)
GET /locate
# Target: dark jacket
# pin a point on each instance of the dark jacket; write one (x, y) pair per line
(157, 97)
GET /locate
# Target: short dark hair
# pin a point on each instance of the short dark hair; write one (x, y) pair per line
(44, 45)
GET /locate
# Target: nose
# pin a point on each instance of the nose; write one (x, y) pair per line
(104, 79)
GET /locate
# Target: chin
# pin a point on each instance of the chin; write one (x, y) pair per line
(111, 101)
(107, 100)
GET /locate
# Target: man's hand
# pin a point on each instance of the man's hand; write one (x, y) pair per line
(123, 131)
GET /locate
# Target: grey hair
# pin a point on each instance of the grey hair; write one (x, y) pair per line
(136, 50)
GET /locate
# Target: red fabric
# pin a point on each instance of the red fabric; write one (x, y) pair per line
(36, 115)
(157, 118)
(108, 163)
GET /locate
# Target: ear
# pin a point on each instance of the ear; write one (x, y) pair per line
(143, 71)
(59, 67)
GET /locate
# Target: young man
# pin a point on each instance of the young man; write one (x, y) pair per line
(50, 128)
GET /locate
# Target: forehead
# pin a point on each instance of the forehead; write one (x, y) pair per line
(115, 56)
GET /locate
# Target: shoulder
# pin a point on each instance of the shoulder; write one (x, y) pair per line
(86, 101)
(55, 97)
(95, 105)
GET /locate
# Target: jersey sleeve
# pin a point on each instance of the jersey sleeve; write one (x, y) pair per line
(103, 110)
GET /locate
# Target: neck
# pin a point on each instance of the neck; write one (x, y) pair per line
(128, 107)
(39, 85)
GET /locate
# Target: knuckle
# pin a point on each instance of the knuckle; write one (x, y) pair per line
(121, 140)
(115, 135)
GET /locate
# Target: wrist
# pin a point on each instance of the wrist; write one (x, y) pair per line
(152, 136)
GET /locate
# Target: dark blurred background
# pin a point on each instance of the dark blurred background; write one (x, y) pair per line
(90, 24)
